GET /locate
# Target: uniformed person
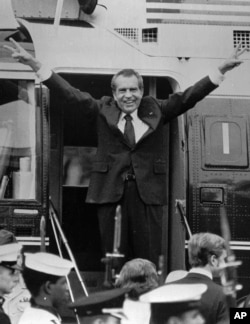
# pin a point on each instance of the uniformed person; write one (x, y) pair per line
(44, 275)
(18, 299)
(175, 304)
(103, 307)
(8, 267)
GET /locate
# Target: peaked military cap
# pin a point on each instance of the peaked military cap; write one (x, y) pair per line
(9, 254)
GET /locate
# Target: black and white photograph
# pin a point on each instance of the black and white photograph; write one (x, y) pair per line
(124, 161)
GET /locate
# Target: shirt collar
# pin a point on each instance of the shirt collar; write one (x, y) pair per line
(202, 271)
(133, 115)
(49, 309)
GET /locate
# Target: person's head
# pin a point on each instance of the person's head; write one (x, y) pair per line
(175, 304)
(127, 88)
(207, 250)
(7, 237)
(44, 275)
(104, 307)
(139, 274)
(8, 267)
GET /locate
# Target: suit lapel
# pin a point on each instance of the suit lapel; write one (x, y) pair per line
(112, 114)
(150, 114)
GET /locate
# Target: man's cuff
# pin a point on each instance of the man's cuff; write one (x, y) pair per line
(216, 77)
(44, 73)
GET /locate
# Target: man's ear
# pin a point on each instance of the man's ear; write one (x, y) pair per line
(213, 260)
(47, 287)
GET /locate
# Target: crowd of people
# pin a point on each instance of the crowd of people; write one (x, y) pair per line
(130, 171)
(189, 297)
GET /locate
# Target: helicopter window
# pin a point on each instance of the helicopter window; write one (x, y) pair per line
(77, 165)
(18, 156)
(225, 142)
(211, 195)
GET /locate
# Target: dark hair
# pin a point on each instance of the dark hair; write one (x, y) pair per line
(127, 73)
(139, 274)
(35, 279)
(202, 245)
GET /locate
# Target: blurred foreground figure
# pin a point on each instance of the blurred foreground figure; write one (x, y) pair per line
(8, 268)
(44, 275)
(15, 302)
(175, 304)
(103, 307)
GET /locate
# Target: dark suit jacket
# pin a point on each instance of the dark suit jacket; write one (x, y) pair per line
(4, 318)
(114, 155)
(213, 302)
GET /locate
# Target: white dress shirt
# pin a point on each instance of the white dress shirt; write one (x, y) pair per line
(140, 127)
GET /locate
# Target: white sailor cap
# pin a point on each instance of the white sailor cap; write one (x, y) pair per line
(173, 300)
(48, 263)
(174, 293)
(175, 275)
(9, 254)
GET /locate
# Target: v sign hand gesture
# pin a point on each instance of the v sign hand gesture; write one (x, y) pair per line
(22, 56)
(233, 61)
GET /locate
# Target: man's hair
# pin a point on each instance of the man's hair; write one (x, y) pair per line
(202, 246)
(138, 274)
(34, 280)
(127, 73)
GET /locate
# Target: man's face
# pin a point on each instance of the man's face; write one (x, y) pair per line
(127, 93)
(60, 293)
(8, 278)
(191, 317)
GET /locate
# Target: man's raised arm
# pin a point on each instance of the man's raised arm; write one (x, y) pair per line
(22, 56)
(233, 60)
(54, 81)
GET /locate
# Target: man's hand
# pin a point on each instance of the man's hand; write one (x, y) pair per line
(22, 56)
(233, 61)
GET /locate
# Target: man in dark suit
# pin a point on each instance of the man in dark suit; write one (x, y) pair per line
(207, 253)
(130, 164)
